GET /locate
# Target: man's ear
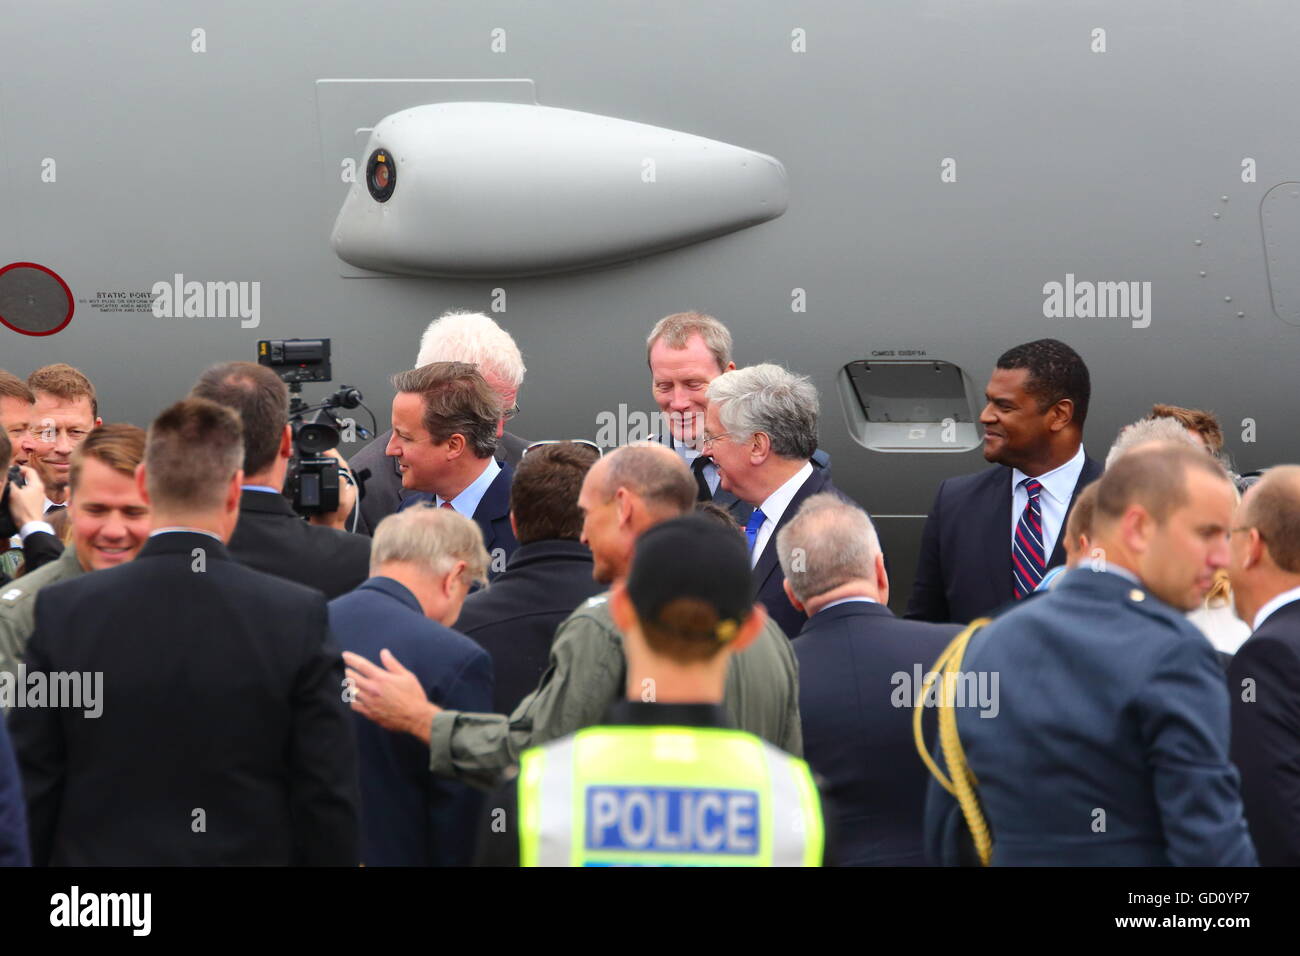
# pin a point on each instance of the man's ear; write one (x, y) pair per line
(882, 579)
(452, 576)
(286, 442)
(1254, 549)
(514, 525)
(626, 505)
(1135, 529)
(142, 483)
(234, 492)
(455, 446)
(1060, 415)
(789, 593)
(750, 629)
(98, 422)
(760, 447)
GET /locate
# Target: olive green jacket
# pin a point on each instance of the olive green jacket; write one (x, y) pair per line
(587, 673)
(18, 605)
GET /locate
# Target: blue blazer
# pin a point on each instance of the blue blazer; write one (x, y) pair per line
(964, 569)
(1106, 742)
(857, 662)
(1266, 734)
(492, 516)
(408, 816)
(767, 572)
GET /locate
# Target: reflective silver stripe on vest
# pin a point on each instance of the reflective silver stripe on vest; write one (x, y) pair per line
(555, 804)
(789, 824)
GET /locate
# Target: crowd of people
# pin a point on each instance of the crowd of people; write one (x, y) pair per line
(677, 651)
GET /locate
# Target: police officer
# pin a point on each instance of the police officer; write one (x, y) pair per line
(1105, 738)
(665, 780)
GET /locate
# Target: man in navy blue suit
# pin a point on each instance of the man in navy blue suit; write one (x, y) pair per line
(990, 537)
(1094, 718)
(857, 667)
(423, 563)
(760, 429)
(1264, 677)
(515, 620)
(445, 419)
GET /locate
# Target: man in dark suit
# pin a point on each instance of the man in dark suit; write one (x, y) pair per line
(990, 537)
(547, 577)
(857, 664)
(210, 728)
(1264, 676)
(760, 430)
(453, 337)
(14, 849)
(424, 561)
(445, 420)
(1094, 719)
(270, 536)
(686, 351)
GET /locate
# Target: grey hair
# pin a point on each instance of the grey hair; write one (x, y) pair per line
(676, 330)
(1148, 430)
(829, 542)
(474, 338)
(771, 400)
(433, 538)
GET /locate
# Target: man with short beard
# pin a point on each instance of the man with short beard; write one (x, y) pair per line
(628, 491)
(109, 520)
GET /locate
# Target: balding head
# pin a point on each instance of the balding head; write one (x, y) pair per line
(629, 490)
(1163, 511)
(829, 545)
(1266, 541)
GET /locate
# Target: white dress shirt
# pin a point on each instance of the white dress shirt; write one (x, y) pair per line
(774, 507)
(1053, 501)
(863, 598)
(466, 503)
(157, 531)
(1283, 599)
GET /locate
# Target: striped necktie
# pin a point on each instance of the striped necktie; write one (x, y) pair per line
(1028, 562)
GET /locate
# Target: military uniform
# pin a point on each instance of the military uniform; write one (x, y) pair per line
(587, 673)
(18, 605)
(1105, 741)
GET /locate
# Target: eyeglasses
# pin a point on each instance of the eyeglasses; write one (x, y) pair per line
(569, 441)
(511, 412)
(707, 439)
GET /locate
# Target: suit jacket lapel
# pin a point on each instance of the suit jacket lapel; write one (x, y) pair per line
(1090, 473)
(494, 505)
(996, 530)
(768, 561)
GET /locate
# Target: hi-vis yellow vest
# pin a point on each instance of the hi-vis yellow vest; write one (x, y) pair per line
(666, 796)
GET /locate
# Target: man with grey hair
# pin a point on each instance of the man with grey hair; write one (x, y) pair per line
(625, 493)
(445, 420)
(854, 649)
(422, 564)
(686, 351)
(452, 337)
(760, 429)
(1149, 430)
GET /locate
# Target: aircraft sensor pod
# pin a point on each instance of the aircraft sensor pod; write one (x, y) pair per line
(508, 189)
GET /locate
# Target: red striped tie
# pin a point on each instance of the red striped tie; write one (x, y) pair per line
(1028, 562)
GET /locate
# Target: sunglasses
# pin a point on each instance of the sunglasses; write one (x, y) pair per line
(561, 441)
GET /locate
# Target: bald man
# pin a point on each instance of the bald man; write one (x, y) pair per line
(625, 493)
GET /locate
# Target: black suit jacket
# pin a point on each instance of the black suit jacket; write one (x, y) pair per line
(271, 537)
(768, 579)
(384, 493)
(857, 726)
(492, 516)
(964, 569)
(1266, 734)
(515, 619)
(222, 736)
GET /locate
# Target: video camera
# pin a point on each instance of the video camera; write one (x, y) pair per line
(7, 527)
(312, 483)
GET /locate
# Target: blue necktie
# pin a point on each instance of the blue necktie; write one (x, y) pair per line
(751, 527)
(1028, 562)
